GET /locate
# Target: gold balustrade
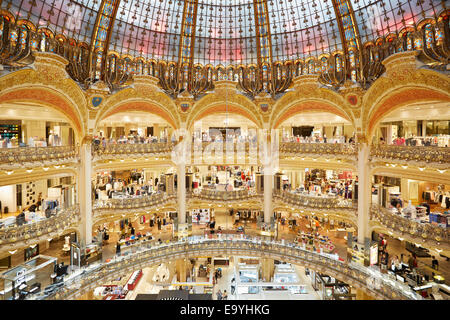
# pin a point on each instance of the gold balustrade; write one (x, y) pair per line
(64, 219)
(149, 253)
(420, 154)
(432, 234)
(31, 155)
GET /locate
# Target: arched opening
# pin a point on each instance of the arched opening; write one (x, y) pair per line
(145, 126)
(139, 106)
(308, 107)
(403, 105)
(35, 124)
(323, 125)
(222, 108)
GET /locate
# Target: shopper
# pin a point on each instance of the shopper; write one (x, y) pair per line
(233, 285)
(118, 248)
(159, 223)
(219, 295)
(225, 295)
(435, 263)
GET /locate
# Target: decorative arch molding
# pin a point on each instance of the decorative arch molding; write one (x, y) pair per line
(401, 85)
(429, 175)
(309, 98)
(219, 102)
(64, 96)
(144, 98)
(23, 176)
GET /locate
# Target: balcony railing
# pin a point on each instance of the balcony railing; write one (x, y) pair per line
(136, 202)
(421, 155)
(206, 194)
(35, 232)
(30, 156)
(131, 148)
(416, 231)
(344, 150)
(316, 202)
(151, 253)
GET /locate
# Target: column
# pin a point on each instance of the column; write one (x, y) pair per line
(268, 189)
(404, 189)
(364, 194)
(181, 270)
(181, 191)
(85, 191)
(267, 269)
(268, 171)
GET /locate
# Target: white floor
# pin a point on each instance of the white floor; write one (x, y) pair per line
(228, 274)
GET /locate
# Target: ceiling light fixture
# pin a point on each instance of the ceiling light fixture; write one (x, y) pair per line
(12, 252)
(29, 170)
(9, 172)
(405, 167)
(45, 168)
(441, 171)
(421, 168)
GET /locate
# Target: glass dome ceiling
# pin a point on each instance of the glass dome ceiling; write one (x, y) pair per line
(223, 31)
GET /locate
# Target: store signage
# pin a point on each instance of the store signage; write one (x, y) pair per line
(374, 254)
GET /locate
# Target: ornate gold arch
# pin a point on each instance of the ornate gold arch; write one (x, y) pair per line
(404, 85)
(217, 103)
(144, 98)
(48, 85)
(40, 96)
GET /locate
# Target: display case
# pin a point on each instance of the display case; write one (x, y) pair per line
(205, 216)
(25, 281)
(247, 274)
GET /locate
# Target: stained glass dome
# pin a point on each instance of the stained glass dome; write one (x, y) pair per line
(224, 32)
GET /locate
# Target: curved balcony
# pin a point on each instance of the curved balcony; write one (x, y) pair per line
(421, 156)
(17, 236)
(223, 196)
(431, 235)
(11, 158)
(324, 150)
(124, 150)
(102, 208)
(150, 253)
(335, 207)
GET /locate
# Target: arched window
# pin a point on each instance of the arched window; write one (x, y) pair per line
(311, 66)
(13, 37)
(429, 35)
(98, 64)
(324, 62)
(338, 63)
(439, 35)
(351, 55)
(409, 41)
(353, 73)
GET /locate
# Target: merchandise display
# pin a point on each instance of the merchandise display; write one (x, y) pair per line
(224, 150)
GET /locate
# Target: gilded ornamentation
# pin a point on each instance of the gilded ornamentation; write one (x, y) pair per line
(149, 253)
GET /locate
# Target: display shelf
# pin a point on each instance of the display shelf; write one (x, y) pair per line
(134, 279)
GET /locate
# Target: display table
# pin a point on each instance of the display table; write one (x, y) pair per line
(134, 279)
